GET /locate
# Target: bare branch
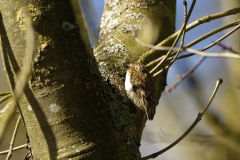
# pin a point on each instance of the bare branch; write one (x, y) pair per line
(215, 31)
(201, 38)
(6, 97)
(183, 76)
(206, 54)
(219, 81)
(182, 32)
(13, 138)
(224, 47)
(4, 93)
(183, 36)
(191, 26)
(14, 149)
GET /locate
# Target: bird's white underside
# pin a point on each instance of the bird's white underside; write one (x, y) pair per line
(128, 84)
(135, 82)
(129, 89)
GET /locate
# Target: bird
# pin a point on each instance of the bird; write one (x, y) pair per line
(140, 88)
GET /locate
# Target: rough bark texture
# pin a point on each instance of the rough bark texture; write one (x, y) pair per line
(153, 20)
(69, 110)
(63, 108)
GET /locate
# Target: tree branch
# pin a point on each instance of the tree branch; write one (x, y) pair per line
(4, 93)
(219, 81)
(13, 138)
(182, 31)
(201, 38)
(14, 149)
(183, 76)
(191, 26)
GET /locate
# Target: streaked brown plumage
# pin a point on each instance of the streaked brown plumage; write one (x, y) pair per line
(140, 88)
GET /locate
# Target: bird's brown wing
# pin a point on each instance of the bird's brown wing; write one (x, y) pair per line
(143, 86)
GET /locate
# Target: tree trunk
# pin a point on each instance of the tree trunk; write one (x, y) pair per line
(153, 21)
(69, 108)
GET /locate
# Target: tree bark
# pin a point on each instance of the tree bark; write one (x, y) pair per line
(153, 21)
(69, 108)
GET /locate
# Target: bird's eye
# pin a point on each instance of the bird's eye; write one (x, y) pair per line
(127, 66)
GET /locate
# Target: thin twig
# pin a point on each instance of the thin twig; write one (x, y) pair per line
(182, 32)
(224, 47)
(2, 113)
(194, 24)
(185, 9)
(234, 24)
(206, 54)
(214, 43)
(173, 45)
(190, 10)
(183, 35)
(5, 98)
(14, 149)
(13, 138)
(219, 81)
(201, 38)
(4, 93)
(5, 116)
(183, 76)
